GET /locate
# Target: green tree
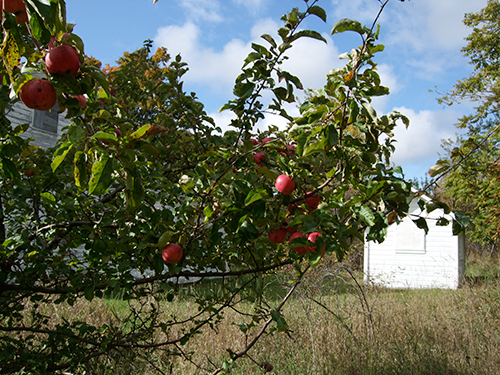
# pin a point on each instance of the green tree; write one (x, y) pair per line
(472, 159)
(143, 166)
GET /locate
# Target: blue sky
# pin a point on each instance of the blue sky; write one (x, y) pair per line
(423, 39)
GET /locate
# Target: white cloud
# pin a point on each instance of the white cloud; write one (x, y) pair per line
(419, 146)
(217, 69)
(252, 5)
(360, 10)
(416, 24)
(388, 79)
(206, 66)
(428, 33)
(206, 10)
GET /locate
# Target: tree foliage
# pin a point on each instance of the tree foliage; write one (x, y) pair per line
(143, 166)
(472, 159)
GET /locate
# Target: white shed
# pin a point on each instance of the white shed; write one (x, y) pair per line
(45, 127)
(410, 258)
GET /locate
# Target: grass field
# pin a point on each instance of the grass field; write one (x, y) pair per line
(335, 325)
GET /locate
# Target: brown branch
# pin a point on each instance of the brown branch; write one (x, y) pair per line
(146, 280)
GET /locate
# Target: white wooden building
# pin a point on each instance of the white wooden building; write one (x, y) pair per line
(44, 126)
(410, 258)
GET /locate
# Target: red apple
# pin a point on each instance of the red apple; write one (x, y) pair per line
(266, 140)
(30, 173)
(118, 132)
(255, 142)
(259, 157)
(312, 201)
(289, 150)
(172, 253)
(301, 250)
(17, 8)
(284, 184)
(312, 237)
(82, 100)
(63, 60)
(38, 94)
(277, 235)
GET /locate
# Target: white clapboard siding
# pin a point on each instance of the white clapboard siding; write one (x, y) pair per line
(409, 258)
(45, 127)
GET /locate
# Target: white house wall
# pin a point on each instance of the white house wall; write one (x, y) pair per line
(20, 114)
(436, 265)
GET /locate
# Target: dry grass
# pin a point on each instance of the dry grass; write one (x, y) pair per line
(334, 327)
(398, 332)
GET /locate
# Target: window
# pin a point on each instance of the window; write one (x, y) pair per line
(46, 120)
(409, 238)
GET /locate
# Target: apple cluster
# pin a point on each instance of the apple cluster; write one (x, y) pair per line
(39, 93)
(285, 185)
(259, 157)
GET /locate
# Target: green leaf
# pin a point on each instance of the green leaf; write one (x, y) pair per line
(377, 48)
(309, 34)
(318, 11)
(89, 293)
(48, 196)
(255, 195)
(58, 14)
(346, 24)
(37, 24)
(281, 93)
(100, 78)
(332, 135)
(165, 238)
(10, 168)
(208, 211)
(60, 155)
(270, 39)
(314, 257)
(248, 231)
(105, 136)
(422, 224)
(377, 91)
(142, 132)
(460, 222)
(366, 215)
(370, 111)
(283, 32)
(80, 169)
(314, 148)
(10, 51)
(134, 191)
(440, 167)
(101, 175)
(280, 321)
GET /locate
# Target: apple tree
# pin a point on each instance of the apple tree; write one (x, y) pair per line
(143, 170)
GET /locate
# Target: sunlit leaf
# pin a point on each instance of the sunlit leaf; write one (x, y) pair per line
(366, 215)
(346, 24)
(318, 11)
(101, 175)
(60, 155)
(255, 195)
